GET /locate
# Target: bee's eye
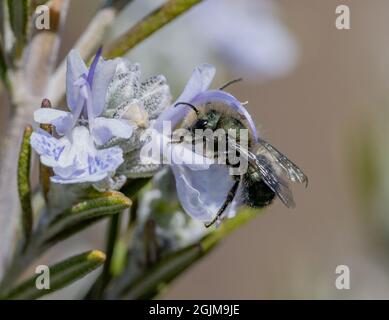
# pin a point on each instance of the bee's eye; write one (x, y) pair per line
(201, 124)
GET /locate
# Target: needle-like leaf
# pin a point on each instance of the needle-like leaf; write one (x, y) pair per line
(24, 187)
(45, 172)
(113, 241)
(60, 275)
(85, 213)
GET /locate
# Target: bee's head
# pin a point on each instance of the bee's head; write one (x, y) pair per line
(203, 120)
(208, 120)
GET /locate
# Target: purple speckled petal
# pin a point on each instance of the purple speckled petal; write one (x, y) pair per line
(49, 148)
(225, 97)
(108, 160)
(99, 166)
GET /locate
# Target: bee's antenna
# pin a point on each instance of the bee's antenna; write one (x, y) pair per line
(189, 105)
(230, 83)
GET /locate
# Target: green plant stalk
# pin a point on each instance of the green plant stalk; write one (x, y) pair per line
(97, 289)
(150, 24)
(152, 282)
(24, 186)
(61, 275)
(131, 188)
(113, 234)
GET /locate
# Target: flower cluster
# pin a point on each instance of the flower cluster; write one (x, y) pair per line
(109, 107)
(111, 112)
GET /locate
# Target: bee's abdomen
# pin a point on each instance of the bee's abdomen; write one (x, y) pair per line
(256, 193)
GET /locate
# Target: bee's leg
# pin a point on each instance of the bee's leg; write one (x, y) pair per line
(230, 198)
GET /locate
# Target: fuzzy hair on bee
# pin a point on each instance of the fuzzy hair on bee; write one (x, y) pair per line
(217, 115)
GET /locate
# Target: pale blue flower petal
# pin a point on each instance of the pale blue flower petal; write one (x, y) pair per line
(103, 75)
(76, 68)
(231, 101)
(66, 171)
(199, 81)
(80, 147)
(182, 154)
(61, 120)
(105, 129)
(78, 177)
(202, 193)
(159, 149)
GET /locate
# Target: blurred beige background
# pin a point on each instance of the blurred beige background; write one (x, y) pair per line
(342, 75)
(310, 115)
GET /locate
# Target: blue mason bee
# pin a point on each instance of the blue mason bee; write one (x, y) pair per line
(268, 171)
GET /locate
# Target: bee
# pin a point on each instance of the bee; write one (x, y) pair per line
(268, 171)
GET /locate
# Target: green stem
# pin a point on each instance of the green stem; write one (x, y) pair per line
(113, 233)
(97, 289)
(154, 280)
(131, 190)
(150, 24)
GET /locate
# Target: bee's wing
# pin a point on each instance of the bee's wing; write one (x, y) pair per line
(293, 172)
(274, 181)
